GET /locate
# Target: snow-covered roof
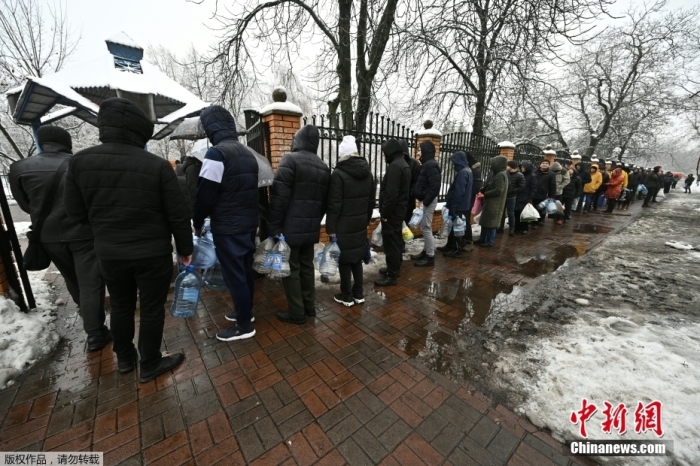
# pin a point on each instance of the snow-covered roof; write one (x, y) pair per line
(122, 38)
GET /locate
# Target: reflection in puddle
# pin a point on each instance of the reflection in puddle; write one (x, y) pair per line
(588, 228)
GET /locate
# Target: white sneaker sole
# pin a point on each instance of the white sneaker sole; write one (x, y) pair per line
(344, 303)
(359, 300)
(237, 337)
(252, 319)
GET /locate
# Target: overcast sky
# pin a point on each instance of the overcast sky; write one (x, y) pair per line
(175, 24)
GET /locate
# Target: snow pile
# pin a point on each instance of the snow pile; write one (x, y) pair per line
(26, 338)
(678, 245)
(21, 228)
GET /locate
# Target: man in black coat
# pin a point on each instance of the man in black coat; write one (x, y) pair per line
(426, 191)
(393, 201)
(414, 166)
(525, 196)
(297, 206)
(68, 242)
(134, 205)
(546, 188)
(228, 192)
(516, 183)
(350, 204)
(477, 180)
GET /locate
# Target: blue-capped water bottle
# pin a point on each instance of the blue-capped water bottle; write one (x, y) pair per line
(459, 226)
(279, 259)
(187, 286)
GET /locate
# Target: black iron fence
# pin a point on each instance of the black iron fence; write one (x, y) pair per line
(482, 147)
(527, 152)
(258, 139)
(6, 185)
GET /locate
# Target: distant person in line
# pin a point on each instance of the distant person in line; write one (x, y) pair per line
(600, 192)
(477, 179)
(393, 202)
(688, 183)
(613, 189)
(68, 242)
(516, 183)
(667, 182)
(297, 206)
(570, 193)
(350, 203)
(584, 174)
(633, 183)
(134, 205)
(525, 196)
(414, 166)
(228, 193)
(546, 189)
(495, 193)
(426, 191)
(653, 184)
(590, 188)
(458, 202)
(188, 174)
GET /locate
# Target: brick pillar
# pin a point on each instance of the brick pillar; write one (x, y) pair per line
(284, 120)
(428, 133)
(506, 149)
(549, 154)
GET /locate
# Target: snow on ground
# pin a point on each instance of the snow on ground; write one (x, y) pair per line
(21, 228)
(636, 337)
(26, 338)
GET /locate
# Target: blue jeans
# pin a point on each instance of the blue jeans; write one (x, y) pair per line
(488, 236)
(587, 199)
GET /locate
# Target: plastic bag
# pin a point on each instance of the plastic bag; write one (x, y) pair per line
(529, 214)
(406, 233)
(204, 254)
(416, 217)
(459, 226)
(551, 208)
(214, 278)
(377, 236)
(260, 259)
(560, 207)
(478, 204)
(543, 205)
(445, 212)
(329, 262)
(446, 227)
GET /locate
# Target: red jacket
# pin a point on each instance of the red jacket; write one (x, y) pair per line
(614, 186)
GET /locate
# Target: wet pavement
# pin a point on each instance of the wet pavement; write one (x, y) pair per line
(352, 385)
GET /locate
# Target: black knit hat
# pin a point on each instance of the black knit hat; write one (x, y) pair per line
(56, 135)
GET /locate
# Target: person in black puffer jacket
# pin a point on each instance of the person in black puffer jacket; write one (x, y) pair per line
(516, 183)
(393, 201)
(134, 205)
(546, 189)
(583, 172)
(426, 190)
(350, 204)
(525, 196)
(297, 206)
(188, 176)
(414, 166)
(570, 192)
(68, 242)
(228, 192)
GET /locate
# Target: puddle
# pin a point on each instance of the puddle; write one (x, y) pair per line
(589, 228)
(541, 264)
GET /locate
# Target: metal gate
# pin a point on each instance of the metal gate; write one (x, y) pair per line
(258, 139)
(481, 147)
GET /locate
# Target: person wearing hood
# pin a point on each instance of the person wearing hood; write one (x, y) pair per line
(228, 193)
(350, 204)
(546, 189)
(688, 183)
(134, 205)
(297, 206)
(188, 172)
(613, 189)
(477, 180)
(393, 202)
(562, 180)
(67, 241)
(570, 192)
(525, 196)
(414, 165)
(516, 183)
(495, 193)
(667, 182)
(426, 191)
(459, 202)
(590, 188)
(653, 183)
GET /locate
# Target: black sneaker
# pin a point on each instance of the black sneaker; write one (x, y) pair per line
(385, 271)
(166, 363)
(358, 299)
(427, 261)
(97, 342)
(127, 364)
(386, 280)
(285, 317)
(231, 316)
(417, 257)
(344, 300)
(235, 333)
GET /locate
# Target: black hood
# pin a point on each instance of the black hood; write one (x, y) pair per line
(357, 167)
(459, 159)
(218, 123)
(499, 164)
(391, 149)
(404, 147)
(471, 160)
(307, 138)
(54, 139)
(427, 151)
(529, 168)
(122, 121)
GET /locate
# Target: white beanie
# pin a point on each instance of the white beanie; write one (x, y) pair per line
(575, 155)
(347, 147)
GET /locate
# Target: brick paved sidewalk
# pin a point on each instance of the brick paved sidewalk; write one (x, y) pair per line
(341, 389)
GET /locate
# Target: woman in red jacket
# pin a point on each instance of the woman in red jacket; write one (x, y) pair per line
(614, 186)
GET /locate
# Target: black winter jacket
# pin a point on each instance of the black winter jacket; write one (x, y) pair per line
(477, 180)
(653, 180)
(516, 183)
(546, 184)
(428, 185)
(574, 188)
(393, 190)
(299, 191)
(188, 177)
(413, 165)
(131, 197)
(633, 181)
(350, 203)
(529, 192)
(228, 180)
(459, 200)
(30, 182)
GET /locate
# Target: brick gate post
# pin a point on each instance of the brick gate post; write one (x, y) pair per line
(506, 149)
(283, 119)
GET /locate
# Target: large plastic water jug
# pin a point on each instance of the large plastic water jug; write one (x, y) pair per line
(459, 226)
(331, 255)
(203, 254)
(446, 227)
(279, 259)
(214, 278)
(416, 217)
(260, 262)
(187, 287)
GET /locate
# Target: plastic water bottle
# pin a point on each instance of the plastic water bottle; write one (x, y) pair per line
(446, 227)
(331, 255)
(260, 263)
(214, 278)
(459, 226)
(203, 254)
(279, 259)
(206, 231)
(187, 286)
(416, 217)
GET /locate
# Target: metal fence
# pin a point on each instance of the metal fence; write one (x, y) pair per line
(527, 153)
(6, 185)
(482, 147)
(258, 139)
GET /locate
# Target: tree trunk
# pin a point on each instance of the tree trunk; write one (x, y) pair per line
(479, 111)
(11, 141)
(344, 68)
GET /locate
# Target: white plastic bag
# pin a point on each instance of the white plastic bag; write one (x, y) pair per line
(416, 217)
(446, 227)
(529, 214)
(377, 236)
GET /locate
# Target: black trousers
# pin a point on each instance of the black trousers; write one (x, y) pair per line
(80, 269)
(348, 273)
(568, 203)
(520, 226)
(393, 244)
(150, 278)
(594, 202)
(611, 205)
(235, 253)
(299, 286)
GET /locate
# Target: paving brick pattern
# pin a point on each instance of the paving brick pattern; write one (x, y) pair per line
(340, 389)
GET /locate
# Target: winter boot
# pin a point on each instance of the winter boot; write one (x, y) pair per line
(417, 257)
(386, 280)
(468, 246)
(426, 261)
